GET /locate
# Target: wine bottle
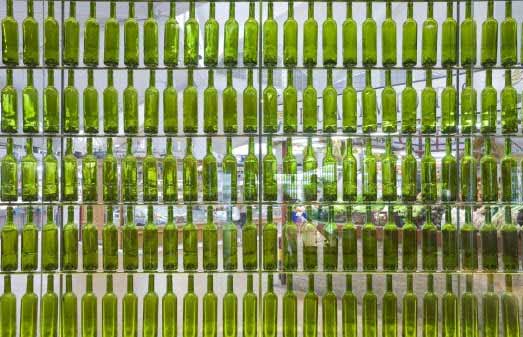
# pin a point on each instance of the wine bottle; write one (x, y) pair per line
(350, 176)
(150, 242)
(510, 309)
(29, 310)
(250, 105)
(389, 320)
(169, 310)
(450, 253)
(130, 105)
(290, 243)
(390, 243)
(449, 41)
(389, 105)
(29, 168)
(230, 106)
(449, 112)
(310, 105)
(310, 38)
(388, 38)
(49, 310)
(310, 310)
(469, 176)
(310, 176)
(329, 171)
(349, 243)
(349, 33)
(369, 243)
(229, 170)
(190, 173)
(270, 38)
(230, 243)
(190, 310)
(131, 38)
(469, 311)
(130, 174)
(449, 310)
(170, 243)
(368, 97)
(468, 37)
(290, 309)
(290, 173)
(10, 104)
(290, 105)
(230, 310)
(210, 105)
(150, 174)
(8, 308)
(490, 309)
(469, 242)
(49, 241)
(449, 174)
(249, 242)
(68, 310)
(210, 242)
(349, 310)
(409, 106)
(489, 38)
(270, 104)
(428, 174)
(410, 243)
(130, 242)
(91, 37)
(430, 309)
(89, 314)
(330, 39)
(270, 310)
(152, 103)
(110, 174)
(190, 105)
(171, 39)
(290, 38)
(369, 41)
(270, 171)
(310, 244)
(71, 42)
(230, 38)
(270, 242)
(110, 104)
(90, 101)
(429, 242)
(150, 310)
(388, 173)
(250, 39)
(130, 310)
(508, 36)
(410, 310)
(509, 110)
(250, 171)
(209, 174)
(211, 38)
(170, 174)
(369, 180)
(29, 252)
(330, 105)
(329, 306)
(370, 310)
(509, 174)
(210, 310)
(191, 37)
(109, 310)
(30, 109)
(69, 242)
(429, 38)
(509, 238)
(150, 38)
(89, 243)
(112, 37)
(349, 106)
(190, 243)
(10, 36)
(110, 242)
(9, 168)
(489, 102)
(51, 117)
(429, 102)
(489, 243)
(489, 174)
(468, 105)
(409, 39)
(330, 244)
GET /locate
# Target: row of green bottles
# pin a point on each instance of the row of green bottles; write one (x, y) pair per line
(451, 34)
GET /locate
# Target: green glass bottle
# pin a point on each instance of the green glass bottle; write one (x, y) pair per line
(310, 310)
(110, 174)
(388, 38)
(290, 105)
(369, 176)
(270, 171)
(230, 310)
(150, 38)
(9, 102)
(190, 105)
(169, 310)
(509, 238)
(469, 242)
(489, 38)
(330, 243)
(210, 310)
(410, 243)
(150, 310)
(210, 242)
(250, 171)
(290, 309)
(152, 103)
(468, 37)
(469, 173)
(369, 310)
(349, 243)
(469, 310)
(409, 56)
(310, 104)
(349, 310)
(368, 97)
(449, 310)
(330, 39)
(150, 174)
(71, 37)
(51, 37)
(30, 109)
(230, 38)
(8, 309)
(9, 168)
(49, 310)
(90, 100)
(329, 305)
(390, 242)
(469, 103)
(230, 105)
(170, 182)
(171, 37)
(489, 243)
(428, 175)
(489, 174)
(310, 242)
(190, 243)
(129, 173)
(191, 37)
(89, 173)
(369, 41)
(270, 242)
(130, 310)
(430, 309)
(111, 37)
(329, 171)
(29, 168)
(70, 112)
(89, 243)
(9, 36)
(389, 105)
(410, 310)
(489, 103)
(449, 110)
(510, 309)
(29, 310)
(409, 106)
(310, 175)
(249, 242)
(429, 101)
(91, 37)
(190, 310)
(509, 174)
(29, 249)
(209, 174)
(250, 38)
(290, 243)
(449, 42)
(330, 105)
(68, 310)
(349, 33)
(290, 173)
(270, 103)
(150, 242)
(429, 247)
(190, 174)
(310, 38)
(449, 234)
(69, 245)
(170, 243)
(250, 310)
(89, 314)
(210, 105)
(429, 38)
(508, 36)
(290, 38)
(349, 106)
(270, 38)
(109, 310)
(388, 173)
(490, 306)
(369, 242)
(250, 105)
(509, 110)
(270, 310)
(229, 172)
(230, 243)
(350, 173)
(130, 242)
(30, 48)
(51, 117)
(110, 105)
(49, 242)
(110, 242)
(131, 38)
(389, 320)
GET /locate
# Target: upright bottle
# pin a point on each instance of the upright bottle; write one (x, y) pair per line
(190, 310)
(110, 242)
(449, 174)
(369, 243)
(349, 308)
(170, 174)
(230, 105)
(509, 110)
(490, 306)
(330, 105)
(509, 238)
(110, 105)
(469, 173)
(489, 174)
(388, 38)
(410, 310)
(369, 104)
(330, 244)
(449, 308)
(190, 243)
(9, 170)
(30, 109)
(389, 105)
(89, 174)
(290, 243)
(429, 47)
(290, 38)
(428, 175)
(389, 320)
(150, 242)
(190, 105)
(211, 38)
(369, 40)
(369, 176)
(229, 171)
(449, 110)
(330, 39)
(468, 37)
(190, 173)
(390, 242)
(230, 38)
(469, 242)
(270, 242)
(489, 243)
(110, 174)
(270, 103)
(131, 38)
(450, 252)
(130, 310)
(89, 313)
(209, 174)
(109, 310)
(230, 243)
(409, 106)
(130, 242)
(329, 171)
(329, 308)
(249, 242)
(9, 101)
(290, 172)
(51, 116)
(9, 37)
(210, 310)
(430, 309)
(71, 36)
(69, 246)
(230, 310)
(152, 103)
(150, 310)
(169, 310)
(469, 101)
(150, 174)
(130, 105)
(469, 311)
(310, 104)
(91, 37)
(270, 171)
(388, 173)
(250, 310)
(310, 176)
(111, 37)
(509, 190)
(270, 38)
(29, 168)
(310, 38)
(489, 105)
(290, 105)
(210, 105)
(8, 308)
(89, 243)
(410, 243)
(290, 310)
(250, 38)
(350, 173)
(90, 100)
(429, 100)
(310, 244)
(150, 38)
(349, 33)
(349, 106)
(171, 38)
(29, 249)
(508, 36)
(68, 310)
(429, 242)
(28, 310)
(510, 309)
(191, 37)
(250, 105)
(409, 56)
(349, 240)
(449, 43)
(49, 310)
(31, 49)
(210, 242)
(49, 242)
(129, 171)
(369, 310)
(170, 242)
(489, 38)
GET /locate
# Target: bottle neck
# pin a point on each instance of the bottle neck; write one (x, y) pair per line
(329, 147)
(249, 78)
(29, 146)
(508, 78)
(468, 215)
(9, 7)
(188, 147)
(150, 11)
(229, 78)
(270, 283)
(229, 145)
(69, 146)
(490, 8)
(488, 219)
(192, 10)
(10, 145)
(270, 10)
(230, 284)
(488, 77)
(468, 9)
(131, 9)
(349, 9)
(450, 9)
(508, 215)
(429, 78)
(329, 9)
(110, 215)
(289, 283)
(468, 78)
(389, 283)
(368, 78)
(50, 214)
(49, 146)
(210, 80)
(369, 282)
(90, 78)
(251, 10)
(209, 145)
(72, 9)
(169, 148)
(269, 214)
(169, 78)
(449, 78)
(430, 10)
(269, 145)
(9, 77)
(448, 283)
(89, 283)
(149, 147)
(50, 78)
(427, 147)
(70, 78)
(152, 78)
(30, 215)
(151, 283)
(508, 9)
(30, 10)
(410, 10)
(172, 10)
(169, 283)
(269, 77)
(311, 10)
(448, 214)
(430, 283)
(508, 283)
(291, 9)
(130, 215)
(7, 284)
(70, 214)
(112, 9)
(290, 80)
(388, 10)
(409, 283)
(190, 284)
(190, 79)
(189, 214)
(508, 147)
(369, 9)
(251, 145)
(210, 283)
(348, 282)
(109, 285)
(468, 283)
(90, 214)
(109, 146)
(68, 283)
(210, 215)
(232, 9)
(467, 147)
(170, 217)
(329, 282)
(250, 283)
(329, 77)
(150, 215)
(388, 80)
(30, 78)
(92, 9)
(488, 146)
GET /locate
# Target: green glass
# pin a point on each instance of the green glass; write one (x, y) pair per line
(209, 175)
(9, 103)
(489, 38)
(89, 243)
(51, 109)
(90, 100)
(429, 101)
(270, 171)
(9, 36)
(429, 242)
(369, 243)
(210, 310)
(310, 310)
(509, 238)
(388, 38)
(429, 185)
(150, 310)
(150, 174)
(510, 309)
(349, 241)
(111, 37)
(29, 249)
(468, 37)
(369, 41)
(309, 236)
(350, 173)
(449, 310)
(249, 242)
(369, 105)
(490, 306)
(210, 105)
(409, 56)
(71, 37)
(469, 312)
(310, 175)
(449, 110)
(150, 38)
(270, 242)
(130, 242)
(290, 173)
(330, 243)
(310, 104)
(68, 310)
(290, 38)
(49, 243)
(150, 242)
(449, 235)
(430, 309)
(250, 105)
(8, 309)
(250, 172)
(191, 37)
(290, 243)
(210, 242)
(170, 243)
(70, 109)
(508, 37)
(230, 38)
(230, 310)
(171, 40)
(129, 171)
(349, 106)
(230, 243)
(349, 310)
(489, 173)
(509, 103)
(110, 105)
(131, 38)
(509, 174)
(169, 310)
(468, 103)
(270, 38)
(388, 173)
(409, 249)
(190, 105)
(91, 37)
(489, 105)
(250, 38)
(290, 105)
(30, 109)
(190, 243)
(49, 310)
(290, 309)
(330, 39)
(109, 310)
(230, 105)
(330, 105)
(329, 172)
(89, 173)
(310, 38)
(469, 242)
(469, 174)
(29, 310)
(429, 38)
(270, 104)
(349, 32)
(110, 242)
(89, 314)
(170, 174)
(409, 106)
(449, 42)
(130, 310)
(69, 246)
(30, 47)
(489, 243)
(152, 104)
(270, 310)
(230, 177)
(190, 174)
(9, 169)
(329, 305)
(389, 320)
(389, 106)
(369, 310)
(369, 176)
(110, 174)
(29, 168)
(390, 242)
(410, 310)
(190, 310)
